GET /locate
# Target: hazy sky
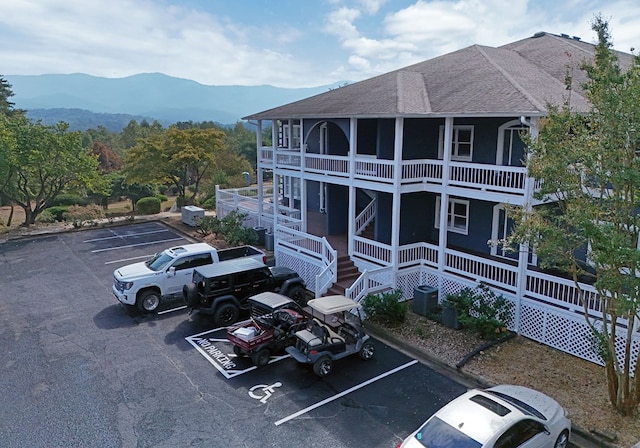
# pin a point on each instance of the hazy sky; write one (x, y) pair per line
(285, 43)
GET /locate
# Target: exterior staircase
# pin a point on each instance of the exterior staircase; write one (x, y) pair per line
(347, 274)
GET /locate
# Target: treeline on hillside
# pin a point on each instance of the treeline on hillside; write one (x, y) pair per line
(42, 163)
(81, 120)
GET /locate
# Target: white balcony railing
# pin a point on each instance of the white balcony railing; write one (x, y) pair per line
(496, 178)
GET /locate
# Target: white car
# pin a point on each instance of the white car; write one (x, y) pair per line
(499, 417)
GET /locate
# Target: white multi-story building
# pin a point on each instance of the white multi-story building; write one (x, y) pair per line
(406, 176)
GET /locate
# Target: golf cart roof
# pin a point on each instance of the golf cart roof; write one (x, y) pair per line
(332, 304)
(270, 299)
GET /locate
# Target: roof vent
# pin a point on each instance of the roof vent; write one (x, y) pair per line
(539, 34)
(566, 36)
(576, 37)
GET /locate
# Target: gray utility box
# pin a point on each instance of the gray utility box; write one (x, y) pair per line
(425, 300)
(189, 213)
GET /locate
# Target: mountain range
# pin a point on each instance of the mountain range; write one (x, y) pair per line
(84, 100)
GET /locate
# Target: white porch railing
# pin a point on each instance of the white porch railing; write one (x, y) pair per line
(316, 248)
(371, 250)
(366, 216)
(488, 177)
(497, 178)
(371, 282)
(481, 269)
(335, 165)
(426, 170)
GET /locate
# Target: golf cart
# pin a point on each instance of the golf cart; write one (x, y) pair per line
(336, 334)
(274, 320)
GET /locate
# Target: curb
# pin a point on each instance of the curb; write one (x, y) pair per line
(580, 438)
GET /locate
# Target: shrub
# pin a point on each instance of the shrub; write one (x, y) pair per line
(57, 211)
(386, 307)
(80, 216)
(46, 217)
(68, 199)
(162, 189)
(230, 228)
(148, 206)
(162, 197)
(483, 313)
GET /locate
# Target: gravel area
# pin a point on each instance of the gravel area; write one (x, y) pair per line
(578, 385)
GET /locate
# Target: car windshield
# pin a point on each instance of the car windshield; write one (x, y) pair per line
(438, 434)
(159, 261)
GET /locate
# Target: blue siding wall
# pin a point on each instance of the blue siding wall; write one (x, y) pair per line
(485, 137)
(417, 218)
(313, 195)
(382, 228)
(420, 138)
(480, 218)
(386, 138)
(337, 209)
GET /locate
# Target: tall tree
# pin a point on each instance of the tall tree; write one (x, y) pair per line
(38, 162)
(181, 157)
(588, 166)
(7, 107)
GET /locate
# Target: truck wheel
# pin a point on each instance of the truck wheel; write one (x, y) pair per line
(367, 351)
(149, 301)
(298, 294)
(226, 314)
(322, 367)
(190, 295)
(261, 357)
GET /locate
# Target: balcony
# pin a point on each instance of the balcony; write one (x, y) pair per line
(483, 177)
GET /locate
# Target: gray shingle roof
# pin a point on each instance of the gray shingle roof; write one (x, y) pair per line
(519, 78)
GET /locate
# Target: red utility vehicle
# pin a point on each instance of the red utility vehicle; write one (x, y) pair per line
(274, 320)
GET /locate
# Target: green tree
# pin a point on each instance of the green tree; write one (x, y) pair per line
(6, 106)
(242, 142)
(39, 162)
(181, 157)
(588, 167)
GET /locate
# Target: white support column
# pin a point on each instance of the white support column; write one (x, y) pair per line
(444, 197)
(523, 253)
(276, 188)
(397, 195)
(353, 132)
(260, 177)
(303, 182)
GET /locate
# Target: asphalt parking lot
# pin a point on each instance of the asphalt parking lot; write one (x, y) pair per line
(80, 369)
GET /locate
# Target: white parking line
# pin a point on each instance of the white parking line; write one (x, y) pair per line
(172, 309)
(135, 245)
(348, 391)
(125, 236)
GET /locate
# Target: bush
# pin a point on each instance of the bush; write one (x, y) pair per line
(148, 206)
(162, 189)
(230, 228)
(386, 307)
(483, 313)
(162, 197)
(46, 217)
(80, 216)
(68, 199)
(57, 211)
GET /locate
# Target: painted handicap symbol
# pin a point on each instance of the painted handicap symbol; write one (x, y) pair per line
(263, 391)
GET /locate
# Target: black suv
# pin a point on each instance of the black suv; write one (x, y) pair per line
(222, 289)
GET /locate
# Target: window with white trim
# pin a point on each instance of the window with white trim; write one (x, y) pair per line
(461, 143)
(286, 135)
(457, 215)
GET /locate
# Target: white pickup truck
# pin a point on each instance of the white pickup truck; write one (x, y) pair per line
(147, 284)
